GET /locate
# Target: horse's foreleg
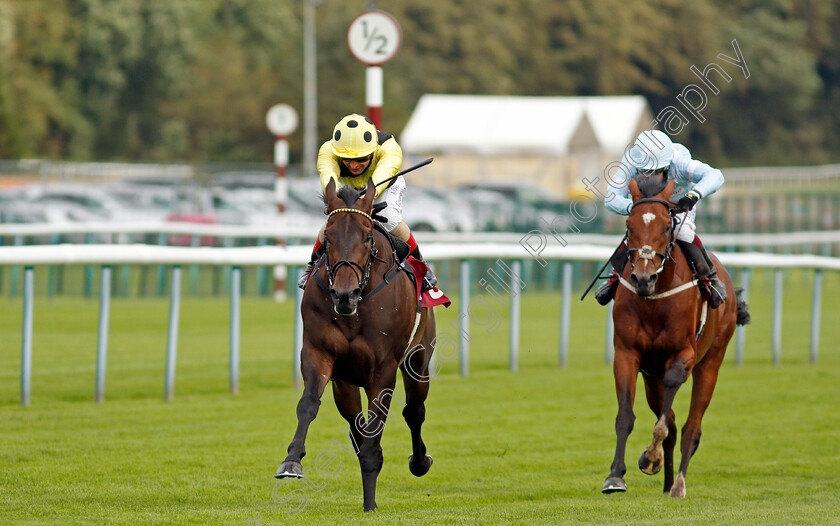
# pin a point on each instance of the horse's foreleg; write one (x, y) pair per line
(414, 412)
(370, 451)
(626, 369)
(705, 378)
(660, 452)
(348, 400)
(316, 373)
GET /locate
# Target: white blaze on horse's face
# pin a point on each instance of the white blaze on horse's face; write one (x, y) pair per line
(648, 217)
(647, 252)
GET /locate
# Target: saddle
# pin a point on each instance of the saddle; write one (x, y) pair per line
(398, 246)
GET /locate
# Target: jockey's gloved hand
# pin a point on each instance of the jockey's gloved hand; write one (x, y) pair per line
(378, 208)
(687, 201)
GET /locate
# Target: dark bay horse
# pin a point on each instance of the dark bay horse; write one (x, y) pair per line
(657, 316)
(360, 318)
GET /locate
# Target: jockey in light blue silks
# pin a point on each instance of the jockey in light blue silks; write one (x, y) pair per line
(654, 153)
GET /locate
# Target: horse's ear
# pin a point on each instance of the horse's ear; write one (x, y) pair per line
(634, 190)
(669, 189)
(331, 197)
(366, 202)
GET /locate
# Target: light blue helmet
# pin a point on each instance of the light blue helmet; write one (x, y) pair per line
(653, 150)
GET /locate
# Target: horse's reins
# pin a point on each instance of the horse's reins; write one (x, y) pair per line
(365, 278)
(362, 273)
(647, 253)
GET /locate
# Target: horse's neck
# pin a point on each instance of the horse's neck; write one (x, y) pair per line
(675, 273)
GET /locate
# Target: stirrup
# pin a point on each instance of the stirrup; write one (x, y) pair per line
(717, 292)
(712, 290)
(430, 280)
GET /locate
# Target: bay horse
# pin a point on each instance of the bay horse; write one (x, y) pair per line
(661, 332)
(360, 318)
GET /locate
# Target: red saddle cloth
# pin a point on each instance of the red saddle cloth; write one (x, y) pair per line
(430, 298)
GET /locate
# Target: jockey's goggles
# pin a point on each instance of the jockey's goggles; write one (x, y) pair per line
(648, 173)
(357, 159)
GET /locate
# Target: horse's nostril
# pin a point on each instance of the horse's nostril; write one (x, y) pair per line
(634, 280)
(357, 293)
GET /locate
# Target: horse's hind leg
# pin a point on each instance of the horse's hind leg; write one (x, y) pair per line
(415, 372)
(705, 377)
(661, 451)
(316, 372)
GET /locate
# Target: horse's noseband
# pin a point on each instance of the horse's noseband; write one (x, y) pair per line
(362, 273)
(646, 252)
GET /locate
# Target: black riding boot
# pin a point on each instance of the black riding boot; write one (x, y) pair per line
(705, 271)
(606, 292)
(316, 255)
(430, 280)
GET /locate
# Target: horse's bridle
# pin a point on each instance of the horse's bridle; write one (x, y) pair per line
(646, 252)
(362, 273)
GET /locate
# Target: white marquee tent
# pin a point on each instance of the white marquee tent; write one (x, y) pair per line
(553, 141)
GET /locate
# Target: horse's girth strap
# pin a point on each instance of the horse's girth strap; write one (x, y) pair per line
(413, 331)
(677, 290)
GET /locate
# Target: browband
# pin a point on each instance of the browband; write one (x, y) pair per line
(352, 210)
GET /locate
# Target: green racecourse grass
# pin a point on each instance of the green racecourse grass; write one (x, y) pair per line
(531, 447)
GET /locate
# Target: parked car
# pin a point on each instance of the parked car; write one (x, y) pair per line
(533, 208)
(458, 212)
(83, 202)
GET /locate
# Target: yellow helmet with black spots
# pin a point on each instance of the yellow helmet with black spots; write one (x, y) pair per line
(354, 136)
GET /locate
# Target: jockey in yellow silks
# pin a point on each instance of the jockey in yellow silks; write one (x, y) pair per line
(356, 153)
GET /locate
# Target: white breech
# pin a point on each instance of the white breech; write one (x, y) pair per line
(685, 226)
(393, 196)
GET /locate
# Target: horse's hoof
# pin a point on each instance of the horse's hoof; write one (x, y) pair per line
(650, 467)
(370, 508)
(678, 489)
(289, 468)
(614, 485)
(421, 468)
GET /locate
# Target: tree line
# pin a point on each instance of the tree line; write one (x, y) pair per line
(191, 80)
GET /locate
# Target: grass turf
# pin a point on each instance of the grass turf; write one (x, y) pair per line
(531, 447)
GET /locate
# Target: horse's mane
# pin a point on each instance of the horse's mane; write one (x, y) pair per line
(348, 194)
(651, 185)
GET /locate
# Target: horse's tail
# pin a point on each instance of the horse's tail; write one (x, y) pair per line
(743, 308)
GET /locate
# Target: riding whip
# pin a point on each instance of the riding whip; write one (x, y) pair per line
(598, 275)
(410, 169)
